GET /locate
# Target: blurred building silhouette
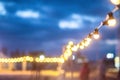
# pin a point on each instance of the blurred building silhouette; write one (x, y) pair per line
(36, 53)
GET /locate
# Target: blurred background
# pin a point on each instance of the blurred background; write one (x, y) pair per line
(34, 33)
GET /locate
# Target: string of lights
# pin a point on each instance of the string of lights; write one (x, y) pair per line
(31, 59)
(71, 47)
(109, 21)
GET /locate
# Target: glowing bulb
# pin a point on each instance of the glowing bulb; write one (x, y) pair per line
(62, 60)
(88, 39)
(37, 59)
(81, 46)
(117, 62)
(70, 43)
(65, 56)
(69, 52)
(86, 43)
(68, 46)
(116, 2)
(96, 34)
(75, 48)
(42, 57)
(112, 22)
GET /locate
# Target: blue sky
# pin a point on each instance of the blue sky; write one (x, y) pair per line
(48, 25)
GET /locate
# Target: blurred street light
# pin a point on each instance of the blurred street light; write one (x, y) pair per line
(117, 62)
(73, 57)
(110, 56)
(42, 57)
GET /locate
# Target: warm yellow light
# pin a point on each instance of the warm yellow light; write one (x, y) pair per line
(31, 59)
(88, 39)
(68, 46)
(70, 43)
(74, 48)
(117, 62)
(37, 59)
(5, 60)
(86, 43)
(69, 52)
(61, 60)
(96, 34)
(116, 2)
(66, 56)
(112, 22)
(27, 58)
(81, 45)
(42, 57)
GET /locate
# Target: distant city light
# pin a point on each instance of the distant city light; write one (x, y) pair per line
(117, 62)
(110, 55)
(42, 57)
(73, 57)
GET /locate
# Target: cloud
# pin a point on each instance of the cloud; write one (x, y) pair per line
(2, 9)
(72, 22)
(75, 21)
(28, 14)
(112, 41)
(68, 24)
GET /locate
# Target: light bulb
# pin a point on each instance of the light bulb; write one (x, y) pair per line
(86, 43)
(75, 48)
(88, 39)
(81, 45)
(70, 43)
(96, 34)
(68, 46)
(112, 22)
(116, 2)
